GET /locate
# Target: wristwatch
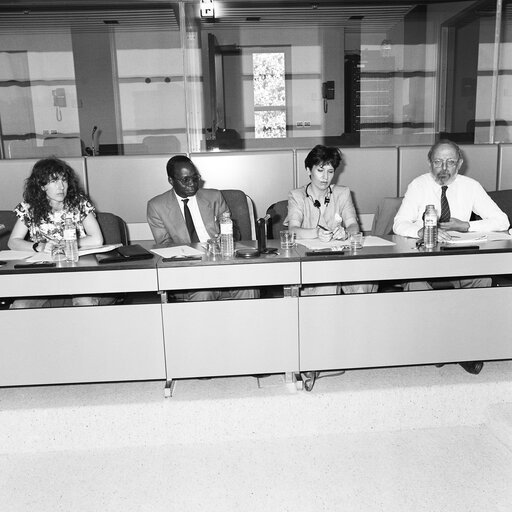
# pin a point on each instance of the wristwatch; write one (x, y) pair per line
(35, 246)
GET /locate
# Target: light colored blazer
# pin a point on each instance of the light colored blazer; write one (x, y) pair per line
(166, 220)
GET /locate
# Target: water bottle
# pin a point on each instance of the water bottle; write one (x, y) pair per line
(430, 227)
(70, 242)
(227, 245)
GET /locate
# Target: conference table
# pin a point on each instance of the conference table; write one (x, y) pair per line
(393, 328)
(81, 344)
(280, 332)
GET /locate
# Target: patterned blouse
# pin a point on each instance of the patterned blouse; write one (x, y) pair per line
(53, 228)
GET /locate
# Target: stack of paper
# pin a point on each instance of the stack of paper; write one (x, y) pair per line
(477, 237)
(335, 245)
(176, 252)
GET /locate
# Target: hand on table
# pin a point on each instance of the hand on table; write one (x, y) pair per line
(455, 225)
(340, 233)
(324, 236)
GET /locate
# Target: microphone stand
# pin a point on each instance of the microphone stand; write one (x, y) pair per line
(261, 236)
(93, 147)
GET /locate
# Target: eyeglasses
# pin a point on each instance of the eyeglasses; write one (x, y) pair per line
(441, 163)
(187, 180)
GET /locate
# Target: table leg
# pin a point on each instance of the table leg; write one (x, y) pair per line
(169, 388)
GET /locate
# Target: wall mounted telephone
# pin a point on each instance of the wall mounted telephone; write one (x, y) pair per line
(327, 92)
(59, 97)
(59, 101)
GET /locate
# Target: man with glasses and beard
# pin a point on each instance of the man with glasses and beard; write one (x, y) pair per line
(455, 198)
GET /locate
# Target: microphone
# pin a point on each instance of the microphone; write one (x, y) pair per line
(92, 140)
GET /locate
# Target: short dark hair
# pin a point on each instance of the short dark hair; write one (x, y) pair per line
(175, 161)
(444, 142)
(323, 155)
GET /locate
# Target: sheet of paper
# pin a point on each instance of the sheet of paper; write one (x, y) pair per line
(180, 250)
(15, 255)
(96, 250)
(46, 256)
(477, 237)
(368, 241)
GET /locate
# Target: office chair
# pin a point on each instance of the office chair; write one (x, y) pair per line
(385, 215)
(113, 228)
(242, 213)
(278, 212)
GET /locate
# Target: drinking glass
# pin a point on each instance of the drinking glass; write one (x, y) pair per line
(287, 239)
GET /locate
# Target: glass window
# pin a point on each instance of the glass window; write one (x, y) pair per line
(398, 74)
(139, 79)
(503, 126)
(269, 95)
(100, 82)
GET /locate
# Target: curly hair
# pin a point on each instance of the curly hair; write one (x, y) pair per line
(44, 171)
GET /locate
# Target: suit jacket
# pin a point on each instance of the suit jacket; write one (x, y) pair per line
(166, 220)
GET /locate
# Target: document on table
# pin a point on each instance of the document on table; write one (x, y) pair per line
(336, 245)
(177, 252)
(15, 255)
(96, 250)
(477, 237)
(46, 256)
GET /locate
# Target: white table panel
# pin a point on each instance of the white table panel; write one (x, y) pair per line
(234, 337)
(392, 329)
(77, 283)
(413, 267)
(226, 276)
(81, 344)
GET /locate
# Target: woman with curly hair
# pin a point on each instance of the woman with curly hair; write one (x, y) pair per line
(52, 193)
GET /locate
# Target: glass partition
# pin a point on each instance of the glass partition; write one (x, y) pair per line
(97, 81)
(363, 74)
(155, 77)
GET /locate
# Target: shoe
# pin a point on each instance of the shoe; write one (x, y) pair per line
(473, 367)
(309, 379)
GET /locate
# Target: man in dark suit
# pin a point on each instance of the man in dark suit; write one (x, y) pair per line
(187, 214)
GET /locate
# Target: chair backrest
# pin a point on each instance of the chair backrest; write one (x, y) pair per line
(385, 215)
(8, 219)
(242, 213)
(278, 212)
(113, 228)
(503, 198)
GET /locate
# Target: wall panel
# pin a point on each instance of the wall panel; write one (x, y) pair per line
(14, 172)
(480, 163)
(370, 173)
(266, 176)
(124, 184)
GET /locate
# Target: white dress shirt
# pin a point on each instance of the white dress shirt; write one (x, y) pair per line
(202, 234)
(465, 195)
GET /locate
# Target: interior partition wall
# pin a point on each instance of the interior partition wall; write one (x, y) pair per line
(140, 78)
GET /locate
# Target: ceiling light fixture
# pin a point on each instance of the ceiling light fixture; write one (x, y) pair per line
(207, 9)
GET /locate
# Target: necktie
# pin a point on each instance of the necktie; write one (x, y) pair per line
(445, 207)
(189, 222)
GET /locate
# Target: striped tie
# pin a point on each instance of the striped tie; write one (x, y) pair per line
(445, 207)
